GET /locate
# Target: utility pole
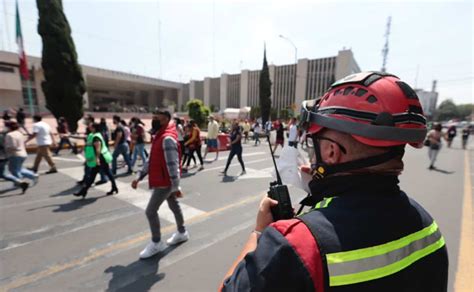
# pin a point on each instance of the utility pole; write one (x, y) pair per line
(385, 47)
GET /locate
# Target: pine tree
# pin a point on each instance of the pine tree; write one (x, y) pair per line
(64, 85)
(265, 88)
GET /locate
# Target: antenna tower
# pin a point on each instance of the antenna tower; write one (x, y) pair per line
(385, 47)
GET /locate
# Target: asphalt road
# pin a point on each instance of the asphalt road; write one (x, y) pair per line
(52, 241)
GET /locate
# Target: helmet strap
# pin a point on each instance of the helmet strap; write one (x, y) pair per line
(322, 170)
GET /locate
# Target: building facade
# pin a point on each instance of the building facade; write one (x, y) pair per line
(428, 100)
(291, 84)
(113, 91)
(107, 90)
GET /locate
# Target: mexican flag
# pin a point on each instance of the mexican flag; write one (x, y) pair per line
(21, 51)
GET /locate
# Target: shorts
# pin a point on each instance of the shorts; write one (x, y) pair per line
(212, 143)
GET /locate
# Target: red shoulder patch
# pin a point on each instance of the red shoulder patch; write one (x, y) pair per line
(304, 243)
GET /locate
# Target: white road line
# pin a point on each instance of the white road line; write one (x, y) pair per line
(138, 197)
(243, 155)
(67, 159)
(233, 164)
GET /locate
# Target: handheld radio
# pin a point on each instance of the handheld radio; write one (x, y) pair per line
(279, 192)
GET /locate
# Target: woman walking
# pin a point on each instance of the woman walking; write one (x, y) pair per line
(98, 158)
(236, 148)
(16, 152)
(434, 138)
(194, 144)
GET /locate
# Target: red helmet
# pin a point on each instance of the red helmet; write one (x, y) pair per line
(376, 108)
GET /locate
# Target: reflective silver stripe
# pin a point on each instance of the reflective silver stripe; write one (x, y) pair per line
(375, 262)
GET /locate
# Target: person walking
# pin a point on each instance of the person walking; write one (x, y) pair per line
(98, 158)
(44, 140)
(4, 163)
(434, 137)
(451, 134)
(293, 134)
(104, 131)
(212, 134)
(121, 146)
(280, 135)
(194, 144)
(163, 168)
(63, 132)
(466, 131)
(186, 150)
(138, 140)
(257, 129)
(362, 232)
(16, 153)
(246, 129)
(20, 118)
(236, 148)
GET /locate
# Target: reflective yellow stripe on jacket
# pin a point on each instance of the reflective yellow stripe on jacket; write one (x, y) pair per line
(355, 266)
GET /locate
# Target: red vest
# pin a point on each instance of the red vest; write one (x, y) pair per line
(158, 175)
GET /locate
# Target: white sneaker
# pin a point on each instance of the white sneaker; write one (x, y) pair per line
(36, 179)
(178, 237)
(152, 248)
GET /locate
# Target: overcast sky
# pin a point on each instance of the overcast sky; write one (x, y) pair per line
(206, 38)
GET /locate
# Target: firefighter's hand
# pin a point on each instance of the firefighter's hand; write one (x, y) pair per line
(134, 184)
(264, 215)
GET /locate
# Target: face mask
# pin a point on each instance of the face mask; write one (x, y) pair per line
(155, 124)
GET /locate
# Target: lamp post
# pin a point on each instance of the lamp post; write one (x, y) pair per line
(296, 49)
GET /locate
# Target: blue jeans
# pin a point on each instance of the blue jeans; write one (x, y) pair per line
(123, 150)
(138, 150)
(15, 165)
(5, 175)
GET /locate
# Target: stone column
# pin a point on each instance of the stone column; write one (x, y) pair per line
(301, 81)
(244, 88)
(224, 85)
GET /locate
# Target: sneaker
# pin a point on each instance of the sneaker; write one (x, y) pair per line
(35, 179)
(201, 168)
(243, 172)
(178, 237)
(52, 170)
(152, 248)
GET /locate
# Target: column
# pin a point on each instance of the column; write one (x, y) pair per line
(224, 85)
(207, 91)
(244, 88)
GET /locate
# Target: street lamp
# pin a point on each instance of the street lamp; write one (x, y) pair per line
(296, 49)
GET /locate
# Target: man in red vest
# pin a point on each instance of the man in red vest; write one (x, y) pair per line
(163, 167)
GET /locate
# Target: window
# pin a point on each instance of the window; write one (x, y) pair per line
(34, 97)
(7, 69)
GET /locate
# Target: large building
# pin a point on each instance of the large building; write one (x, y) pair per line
(428, 100)
(109, 90)
(291, 84)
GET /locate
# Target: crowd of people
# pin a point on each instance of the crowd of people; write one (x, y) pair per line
(353, 181)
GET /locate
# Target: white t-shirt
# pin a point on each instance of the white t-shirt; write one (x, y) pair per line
(212, 130)
(293, 133)
(179, 129)
(43, 133)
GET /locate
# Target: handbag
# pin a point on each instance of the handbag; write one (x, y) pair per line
(427, 142)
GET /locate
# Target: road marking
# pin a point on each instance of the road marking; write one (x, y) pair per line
(113, 248)
(66, 159)
(233, 164)
(243, 155)
(465, 269)
(138, 197)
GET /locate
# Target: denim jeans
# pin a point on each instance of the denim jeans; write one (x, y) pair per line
(5, 175)
(15, 165)
(123, 150)
(138, 150)
(64, 141)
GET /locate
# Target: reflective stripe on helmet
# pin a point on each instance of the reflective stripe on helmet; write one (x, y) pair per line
(361, 265)
(378, 132)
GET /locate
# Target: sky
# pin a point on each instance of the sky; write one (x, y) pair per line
(182, 40)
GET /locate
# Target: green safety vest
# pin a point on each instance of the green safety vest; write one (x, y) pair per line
(89, 152)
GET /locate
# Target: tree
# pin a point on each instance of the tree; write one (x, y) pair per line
(265, 89)
(64, 85)
(255, 113)
(447, 110)
(465, 110)
(197, 111)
